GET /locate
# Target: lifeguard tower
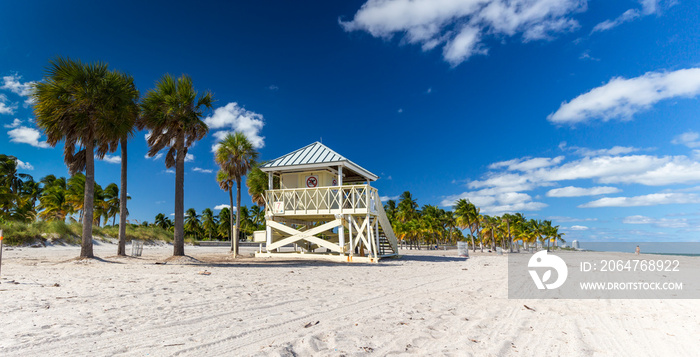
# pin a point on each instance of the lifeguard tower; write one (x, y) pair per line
(324, 208)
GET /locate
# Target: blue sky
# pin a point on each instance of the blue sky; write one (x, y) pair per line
(580, 112)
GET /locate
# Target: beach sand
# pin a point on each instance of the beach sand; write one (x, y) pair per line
(426, 303)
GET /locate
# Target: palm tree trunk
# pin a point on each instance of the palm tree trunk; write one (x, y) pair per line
(179, 238)
(86, 247)
(230, 219)
(122, 204)
(238, 216)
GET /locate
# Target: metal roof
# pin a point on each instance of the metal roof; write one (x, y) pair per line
(315, 155)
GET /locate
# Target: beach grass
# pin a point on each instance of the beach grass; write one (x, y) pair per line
(19, 233)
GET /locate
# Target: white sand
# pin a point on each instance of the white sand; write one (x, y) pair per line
(427, 303)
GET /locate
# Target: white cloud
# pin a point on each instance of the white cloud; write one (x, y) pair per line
(527, 164)
(222, 206)
(189, 158)
(642, 169)
(4, 107)
(24, 165)
(14, 84)
(658, 222)
(235, 118)
(578, 228)
(386, 198)
(15, 123)
(497, 200)
(206, 171)
(570, 219)
(645, 200)
(155, 157)
(400, 111)
(587, 56)
(621, 98)
(626, 16)
(169, 171)
(273, 87)
(461, 25)
(27, 135)
(689, 139)
(571, 191)
(112, 159)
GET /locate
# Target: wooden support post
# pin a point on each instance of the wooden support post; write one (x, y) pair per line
(268, 235)
(352, 246)
(369, 235)
(341, 238)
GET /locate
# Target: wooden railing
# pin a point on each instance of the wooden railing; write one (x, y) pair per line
(322, 200)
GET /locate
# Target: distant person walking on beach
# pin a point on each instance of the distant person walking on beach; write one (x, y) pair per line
(636, 251)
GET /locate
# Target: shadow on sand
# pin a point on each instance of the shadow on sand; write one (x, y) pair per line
(432, 258)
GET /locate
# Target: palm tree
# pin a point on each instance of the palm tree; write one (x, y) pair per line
(113, 202)
(257, 183)
(162, 221)
(124, 129)
(11, 179)
(53, 203)
(257, 216)
(236, 156)
(100, 205)
(80, 104)
(468, 217)
(408, 208)
(208, 221)
(224, 227)
(192, 224)
(173, 114)
(75, 194)
(226, 183)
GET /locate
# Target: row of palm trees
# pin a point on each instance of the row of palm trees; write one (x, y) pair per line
(52, 198)
(432, 225)
(209, 226)
(95, 110)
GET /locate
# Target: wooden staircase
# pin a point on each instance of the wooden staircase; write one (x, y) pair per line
(388, 245)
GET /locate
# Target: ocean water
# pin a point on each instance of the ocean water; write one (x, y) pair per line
(665, 248)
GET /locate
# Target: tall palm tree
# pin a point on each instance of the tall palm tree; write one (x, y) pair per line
(123, 130)
(236, 156)
(79, 104)
(173, 112)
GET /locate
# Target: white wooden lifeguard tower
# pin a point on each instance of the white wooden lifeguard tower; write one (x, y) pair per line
(324, 209)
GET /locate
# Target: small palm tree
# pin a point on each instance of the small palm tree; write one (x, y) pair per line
(192, 223)
(224, 227)
(236, 156)
(173, 112)
(208, 222)
(80, 104)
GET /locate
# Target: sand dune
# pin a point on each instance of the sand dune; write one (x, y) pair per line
(427, 303)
